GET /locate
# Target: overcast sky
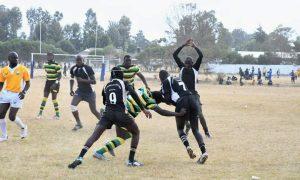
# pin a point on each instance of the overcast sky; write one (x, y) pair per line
(150, 15)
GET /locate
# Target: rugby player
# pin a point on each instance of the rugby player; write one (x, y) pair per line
(14, 75)
(114, 96)
(188, 74)
(85, 77)
(53, 76)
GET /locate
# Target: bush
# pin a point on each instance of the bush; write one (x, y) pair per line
(24, 48)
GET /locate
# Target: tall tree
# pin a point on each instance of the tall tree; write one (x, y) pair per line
(73, 34)
(239, 38)
(114, 34)
(10, 22)
(89, 29)
(124, 30)
(260, 35)
(141, 41)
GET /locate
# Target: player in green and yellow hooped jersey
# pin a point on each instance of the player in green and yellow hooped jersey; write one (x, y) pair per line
(131, 70)
(149, 101)
(53, 76)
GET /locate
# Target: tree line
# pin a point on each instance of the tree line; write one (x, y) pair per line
(185, 21)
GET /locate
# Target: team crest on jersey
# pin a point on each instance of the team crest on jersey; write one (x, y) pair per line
(17, 73)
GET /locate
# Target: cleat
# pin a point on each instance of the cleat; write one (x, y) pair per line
(56, 117)
(191, 153)
(76, 163)
(24, 132)
(207, 134)
(100, 156)
(3, 138)
(203, 158)
(134, 163)
(77, 127)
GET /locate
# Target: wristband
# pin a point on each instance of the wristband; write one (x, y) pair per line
(56, 81)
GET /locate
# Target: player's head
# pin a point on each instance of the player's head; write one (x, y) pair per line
(13, 59)
(188, 62)
(127, 61)
(157, 96)
(79, 60)
(163, 75)
(116, 73)
(50, 57)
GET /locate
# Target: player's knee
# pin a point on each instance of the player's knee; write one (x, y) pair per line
(12, 117)
(74, 108)
(195, 130)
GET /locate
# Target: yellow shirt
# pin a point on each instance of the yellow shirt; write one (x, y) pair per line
(14, 78)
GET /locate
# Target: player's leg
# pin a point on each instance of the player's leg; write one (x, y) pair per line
(3, 110)
(93, 138)
(201, 117)
(55, 103)
(122, 135)
(193, 118)
(44, 101)
(92, 104)
(75, 101)
(13, 117)
(180, 123)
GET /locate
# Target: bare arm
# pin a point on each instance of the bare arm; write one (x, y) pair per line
(200, 57)
(142, 77)
(176, 58)
(164, 112)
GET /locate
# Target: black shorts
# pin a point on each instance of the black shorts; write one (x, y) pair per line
(120, 119)
(192, 106)
(48, 85)
(89, 97)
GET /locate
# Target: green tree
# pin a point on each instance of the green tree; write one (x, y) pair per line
(239, 38)
(260, 35)
(114, 34)
(141, 41)
(66, 46)
(73, 34)
(297, 44)
(124, 30)
(10, 22)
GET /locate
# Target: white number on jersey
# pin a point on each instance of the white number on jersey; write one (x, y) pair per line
(113, 98)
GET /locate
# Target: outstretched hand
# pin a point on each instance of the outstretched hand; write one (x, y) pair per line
(147, 113)
(182, 112)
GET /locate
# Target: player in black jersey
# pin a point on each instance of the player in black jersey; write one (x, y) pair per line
(175, 92)
(188, 74)
(85, 77)
(114, 96)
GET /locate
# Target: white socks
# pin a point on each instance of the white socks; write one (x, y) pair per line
(19, 122)
(3, 127)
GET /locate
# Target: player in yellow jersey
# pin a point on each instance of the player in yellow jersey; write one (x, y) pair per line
(12, 78)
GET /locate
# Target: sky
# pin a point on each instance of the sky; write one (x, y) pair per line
(150, 15)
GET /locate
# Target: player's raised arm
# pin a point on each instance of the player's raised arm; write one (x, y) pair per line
(177, 51)
(200, 57)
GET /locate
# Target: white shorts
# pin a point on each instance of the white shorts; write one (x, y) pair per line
(12, 98)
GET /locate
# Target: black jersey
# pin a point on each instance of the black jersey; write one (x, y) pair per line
(84, 72)
(189, 75)
(115, 95)
(173, 89)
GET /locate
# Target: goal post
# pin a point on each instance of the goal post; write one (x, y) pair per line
(38, 59)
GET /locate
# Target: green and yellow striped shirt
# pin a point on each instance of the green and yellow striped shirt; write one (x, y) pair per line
(52, 70)
(148, 102)
(130, 73)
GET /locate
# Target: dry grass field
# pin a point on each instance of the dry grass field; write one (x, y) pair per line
(256, 132)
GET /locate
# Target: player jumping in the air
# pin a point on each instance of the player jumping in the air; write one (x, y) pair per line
(53, 76)
(175, 92)
(114, 96)
(188, 74)
(12, 95)
(149, 101)
(85, 77)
